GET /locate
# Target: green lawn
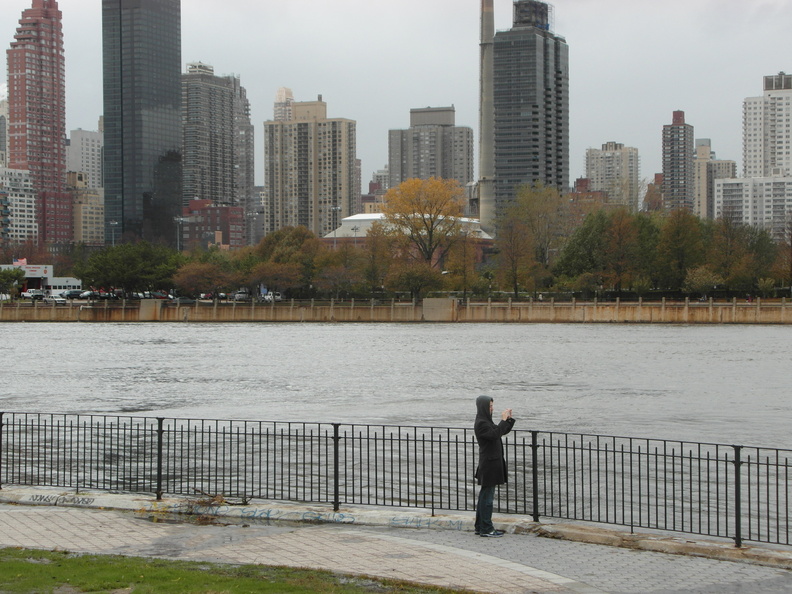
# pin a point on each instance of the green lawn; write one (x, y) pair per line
(30, 571)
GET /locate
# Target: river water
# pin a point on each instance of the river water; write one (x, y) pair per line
(723, 384)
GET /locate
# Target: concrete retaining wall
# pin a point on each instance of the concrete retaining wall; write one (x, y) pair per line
(430, 310)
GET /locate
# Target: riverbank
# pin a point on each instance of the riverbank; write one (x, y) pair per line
(429, 310)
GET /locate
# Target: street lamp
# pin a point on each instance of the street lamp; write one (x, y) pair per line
(113, 225)
(179, 221)
(335, 210)
(355, 229)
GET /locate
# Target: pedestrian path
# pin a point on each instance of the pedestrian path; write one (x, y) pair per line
(451, 558)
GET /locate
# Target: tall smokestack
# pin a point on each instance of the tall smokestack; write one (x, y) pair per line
(486, 184)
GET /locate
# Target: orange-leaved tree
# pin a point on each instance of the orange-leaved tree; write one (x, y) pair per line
(425, 213)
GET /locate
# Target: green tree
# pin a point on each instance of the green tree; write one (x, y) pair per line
(10, 278)
(584, 252)
(425, 213)
(679, 248)
(132, 267)
(417, 277)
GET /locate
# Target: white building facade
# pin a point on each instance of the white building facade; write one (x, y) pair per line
(18, 185)
(616, 170)
(767, 129)
(764, 202)
(85, 154)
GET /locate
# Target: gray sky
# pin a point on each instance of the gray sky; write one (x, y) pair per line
(632, 62)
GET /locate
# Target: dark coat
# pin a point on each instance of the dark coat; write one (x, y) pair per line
(491, 468)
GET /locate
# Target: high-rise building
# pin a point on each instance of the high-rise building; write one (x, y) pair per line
(678, 172)
(616, 170)
(218, 138)
(764, 202)
(142, 118)
(284, 99)
(530, 102)
(767, 146)
(37, 116)
(206, 223)
(22, 197)
(88, 209)
(707, 169)
(85, 154)
(3, 132)
(311, 170)
(433, 146)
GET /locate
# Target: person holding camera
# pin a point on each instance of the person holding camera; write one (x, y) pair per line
(491, 469)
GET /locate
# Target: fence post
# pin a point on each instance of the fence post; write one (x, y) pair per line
(336, 494)
(737, 496)
(1, 448)
(535, 474)
(160, 432)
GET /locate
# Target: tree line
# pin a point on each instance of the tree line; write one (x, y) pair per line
(544, 242)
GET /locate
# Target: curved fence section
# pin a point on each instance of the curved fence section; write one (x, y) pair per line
(730, 491)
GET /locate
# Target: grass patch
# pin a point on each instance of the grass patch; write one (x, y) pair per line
(27, 571)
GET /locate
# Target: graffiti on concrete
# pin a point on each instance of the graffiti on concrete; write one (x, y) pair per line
(61, 500)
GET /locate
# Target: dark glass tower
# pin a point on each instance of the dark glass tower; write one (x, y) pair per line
(531, 103)
(142, 118)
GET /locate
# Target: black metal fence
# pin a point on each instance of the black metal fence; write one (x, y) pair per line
(727, 491)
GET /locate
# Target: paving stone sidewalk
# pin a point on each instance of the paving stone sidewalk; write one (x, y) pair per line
(453, 558)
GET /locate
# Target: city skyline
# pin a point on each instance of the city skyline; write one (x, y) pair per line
(625, 75)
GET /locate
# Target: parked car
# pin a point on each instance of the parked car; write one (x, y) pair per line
(242, 296)
(71, 294)
(34, 294)
(182, 300)
(89, 295)
(55, 300)
(5, 297)
(272, 296)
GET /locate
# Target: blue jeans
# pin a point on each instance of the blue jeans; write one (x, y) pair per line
(484, 510)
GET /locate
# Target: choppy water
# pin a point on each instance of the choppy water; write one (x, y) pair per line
(728, 384)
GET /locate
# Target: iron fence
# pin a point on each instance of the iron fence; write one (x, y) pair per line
(730, 491)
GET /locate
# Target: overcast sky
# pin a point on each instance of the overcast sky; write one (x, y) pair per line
(632, 62)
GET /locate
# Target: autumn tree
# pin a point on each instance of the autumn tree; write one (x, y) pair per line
(516, 253)
(340, 271)
(545, 214)
(376, 257)
(461, 263)
(620, 249)
(275, 276)
(425, 213)
(702, 280)
(203, 277)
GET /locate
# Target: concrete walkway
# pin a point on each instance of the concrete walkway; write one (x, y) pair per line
(398, 544)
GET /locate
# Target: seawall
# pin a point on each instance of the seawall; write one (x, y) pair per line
(429, 310)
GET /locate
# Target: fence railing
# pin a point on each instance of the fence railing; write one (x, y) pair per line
(729, 491)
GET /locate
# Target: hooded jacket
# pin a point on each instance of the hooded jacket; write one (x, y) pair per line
(491, 468)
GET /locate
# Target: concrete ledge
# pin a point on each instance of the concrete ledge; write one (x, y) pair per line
(216, 510)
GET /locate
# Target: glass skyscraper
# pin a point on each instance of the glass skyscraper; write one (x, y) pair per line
(142, 118)
(531, 103)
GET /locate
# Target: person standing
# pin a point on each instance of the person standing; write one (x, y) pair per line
(491, 469)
